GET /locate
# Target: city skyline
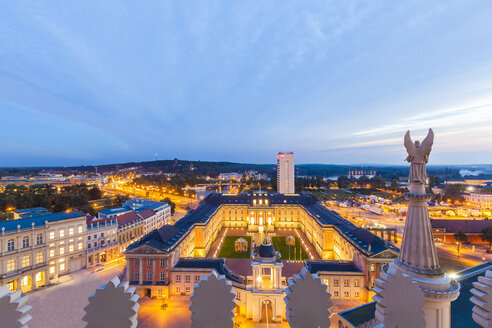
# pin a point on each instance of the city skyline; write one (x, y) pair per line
(91, 83)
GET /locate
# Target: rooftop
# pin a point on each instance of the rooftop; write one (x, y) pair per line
(329, 266)
(362, 239)
(467, 226)
(11, 225)
(218, 264)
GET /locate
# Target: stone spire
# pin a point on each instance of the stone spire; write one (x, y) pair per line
(418, 256)
(418, 251)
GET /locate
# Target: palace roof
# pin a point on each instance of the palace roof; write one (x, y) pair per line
(366, 242)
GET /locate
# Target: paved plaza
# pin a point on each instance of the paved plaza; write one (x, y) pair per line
(62, 305)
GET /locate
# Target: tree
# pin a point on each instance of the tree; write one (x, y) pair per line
(487, 235)
(343, 182)
(453, 193)
(460, 237)
(95, 193)
(171, 203)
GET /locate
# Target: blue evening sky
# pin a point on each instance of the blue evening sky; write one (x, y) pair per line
(93, 82)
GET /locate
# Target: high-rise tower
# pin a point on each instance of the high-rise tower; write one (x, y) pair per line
(285, 173)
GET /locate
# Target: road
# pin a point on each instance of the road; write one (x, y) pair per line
(390, 220)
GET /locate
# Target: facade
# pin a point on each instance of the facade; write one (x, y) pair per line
(153, 261)
(230, 176)
(136, 218)
(285, 173)
(483, 200)
(37, 250)
(102, 241)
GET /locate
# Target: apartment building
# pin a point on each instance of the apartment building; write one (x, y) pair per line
(37, 250)
(102, 241)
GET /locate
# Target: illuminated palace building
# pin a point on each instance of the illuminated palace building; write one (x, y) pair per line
(169, 260)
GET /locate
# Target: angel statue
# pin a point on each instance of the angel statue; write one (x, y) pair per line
(418, 156)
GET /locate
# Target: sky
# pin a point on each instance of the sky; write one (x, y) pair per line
(337, 82)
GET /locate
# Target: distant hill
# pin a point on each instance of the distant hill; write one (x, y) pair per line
(214, 168)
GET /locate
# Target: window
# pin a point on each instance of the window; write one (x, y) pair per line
(39, 239)
(335, 282)
(335, 293)
(62, 233)
(79, 229)
(327, 282)
(80, 246)
(238, 295)
(346, 294)
(187, 278)
(356, 294)
(39, 258)
(95, 236)
(178, 289)
(136, 262)
(62, 266)
(187, 289)
(197, 278)
(88, 237)
(70, 231)
(136, 274)
(149, 275)
(346, 283)
(178, 278)
(62, 250)
(356, 283)
(70, 248)
(10, 245)
(26, 261)
(52, 252)
(25, 242)
(89, 245)
(149, 263)
(52, 235)
(10, 265)
(95, 244)
(162, 263)
(159, 292)
(163, 276)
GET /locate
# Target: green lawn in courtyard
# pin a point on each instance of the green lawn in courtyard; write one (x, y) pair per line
(281, 246)
(228, 251)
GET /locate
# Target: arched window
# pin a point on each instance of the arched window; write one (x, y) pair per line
(25, 242)
(39, 239)
(10, 245)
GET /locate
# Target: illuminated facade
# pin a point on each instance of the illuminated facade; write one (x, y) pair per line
(285, 173)
(35, 250)
(352, 256)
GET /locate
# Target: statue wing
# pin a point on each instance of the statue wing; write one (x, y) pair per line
(426, 145)
(409, 145)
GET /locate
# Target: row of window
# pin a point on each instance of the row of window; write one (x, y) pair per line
(346, 282)
(102, 235)
(136, 276)
(71, 248)
(25, 262)
(345, 294)
(187, 278)
(26, 241)
(61, 232)
(162, 263)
